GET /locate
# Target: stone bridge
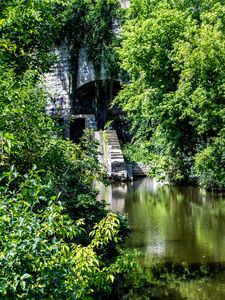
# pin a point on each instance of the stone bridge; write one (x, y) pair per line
(81, 111)
(58, 85)
(82, 106)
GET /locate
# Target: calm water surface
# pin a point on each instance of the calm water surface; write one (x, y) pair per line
(175, 224)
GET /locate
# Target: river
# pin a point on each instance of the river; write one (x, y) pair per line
(178, 224)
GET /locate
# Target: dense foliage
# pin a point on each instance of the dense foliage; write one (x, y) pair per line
(91, 25)
(174, 53)
(27, 30)
(57, 241)
(41, 257)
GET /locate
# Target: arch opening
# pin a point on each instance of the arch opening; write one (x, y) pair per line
(95, 98)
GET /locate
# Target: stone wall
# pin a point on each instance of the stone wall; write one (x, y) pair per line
(85, 72)
(116, 165)
(138, 169)
(125, 3)
(90, 121)
(58, 81)
(57, 84)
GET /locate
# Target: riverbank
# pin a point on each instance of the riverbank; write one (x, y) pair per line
(180, 232)
(159, 283)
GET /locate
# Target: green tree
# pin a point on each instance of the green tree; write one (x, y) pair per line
(174, 53)
(40, 254)
(62, 246)
(29, 137)
(89, 25)
(28, 30)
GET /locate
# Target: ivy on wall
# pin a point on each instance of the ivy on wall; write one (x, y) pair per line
(89, 24)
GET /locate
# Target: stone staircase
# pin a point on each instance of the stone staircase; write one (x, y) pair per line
(111, 157)
(110, 154)
(99, 137)
(115, 162)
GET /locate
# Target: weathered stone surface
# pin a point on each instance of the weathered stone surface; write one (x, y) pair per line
(99, 137)
(116, 166)
(57, 84)
(125, 3)
(85, 72)
(90, 121)
(137, 169)
(129, 171)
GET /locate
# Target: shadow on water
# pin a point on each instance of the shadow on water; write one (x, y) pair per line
(178, 226)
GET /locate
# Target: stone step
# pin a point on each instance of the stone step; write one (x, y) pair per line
(117, 166)
(116, 152)
(113, 143)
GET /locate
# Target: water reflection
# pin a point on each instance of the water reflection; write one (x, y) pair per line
(174, 223)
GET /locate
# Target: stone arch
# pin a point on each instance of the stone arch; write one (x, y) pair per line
(95, 97)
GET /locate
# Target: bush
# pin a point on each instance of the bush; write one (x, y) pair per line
(210, 164)
(40, 256)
